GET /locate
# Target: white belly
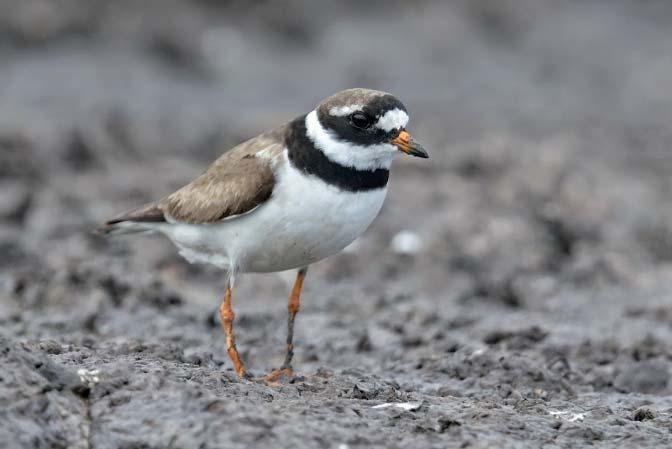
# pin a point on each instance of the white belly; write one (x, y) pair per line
(304, 221)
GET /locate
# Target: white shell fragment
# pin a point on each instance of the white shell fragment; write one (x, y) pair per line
(406, 242)
(406, 406)
(567, 415)
(89, 377)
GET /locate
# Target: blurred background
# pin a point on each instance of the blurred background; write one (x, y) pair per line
(545, 205)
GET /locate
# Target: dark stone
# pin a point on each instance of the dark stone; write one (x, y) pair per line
(643, 414)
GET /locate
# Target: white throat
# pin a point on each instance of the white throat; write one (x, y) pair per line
(361, 157)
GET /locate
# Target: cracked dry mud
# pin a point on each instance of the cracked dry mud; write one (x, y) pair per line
(536, 311)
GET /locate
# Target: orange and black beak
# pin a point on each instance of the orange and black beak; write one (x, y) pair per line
(408, 145)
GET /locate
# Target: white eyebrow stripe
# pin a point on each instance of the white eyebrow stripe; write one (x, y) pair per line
(342, 111)
(393, 119)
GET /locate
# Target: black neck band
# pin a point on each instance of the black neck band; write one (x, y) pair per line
(305, 157)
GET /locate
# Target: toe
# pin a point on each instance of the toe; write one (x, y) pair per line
(274, 376)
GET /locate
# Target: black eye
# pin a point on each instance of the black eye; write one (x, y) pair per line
(360, 120)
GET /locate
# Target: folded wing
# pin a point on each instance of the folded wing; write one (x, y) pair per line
(236, 183)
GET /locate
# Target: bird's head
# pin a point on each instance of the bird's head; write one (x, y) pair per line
(362, 128)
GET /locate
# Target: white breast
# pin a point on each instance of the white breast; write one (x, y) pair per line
(304, 221)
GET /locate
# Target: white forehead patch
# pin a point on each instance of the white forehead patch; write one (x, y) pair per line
(394, 119)
(370, 157)
(342, 111)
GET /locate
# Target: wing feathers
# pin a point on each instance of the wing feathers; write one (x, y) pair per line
(237, 182)
(149, 213)
(221, 192)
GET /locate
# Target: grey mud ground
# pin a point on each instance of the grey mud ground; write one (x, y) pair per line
(537, 312)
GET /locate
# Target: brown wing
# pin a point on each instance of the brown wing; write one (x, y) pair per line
(236, 183)
(228, 190)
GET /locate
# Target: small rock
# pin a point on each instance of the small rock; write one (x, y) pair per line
(406, 243)
(446, 391)
(362, 393)
(521, 339)
(50, 347)
(643, 414)
(447, 423)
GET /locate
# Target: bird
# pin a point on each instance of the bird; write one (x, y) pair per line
(284, 199)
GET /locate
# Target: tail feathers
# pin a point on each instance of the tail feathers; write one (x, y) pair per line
(133, 221)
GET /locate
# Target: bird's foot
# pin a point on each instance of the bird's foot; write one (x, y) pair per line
(243, 375)
(283, 374)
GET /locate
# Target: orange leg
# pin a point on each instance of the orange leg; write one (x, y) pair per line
(226, 315)
(293, 304)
